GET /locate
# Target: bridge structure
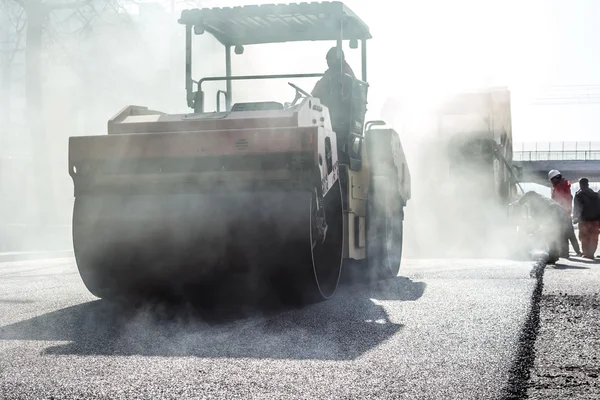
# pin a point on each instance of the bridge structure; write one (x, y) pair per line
(573, 159)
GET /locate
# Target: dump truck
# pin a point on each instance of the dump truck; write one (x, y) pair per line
(477, 130)
(287, 194)
(473, 173)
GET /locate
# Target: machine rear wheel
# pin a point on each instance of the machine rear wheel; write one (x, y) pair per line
(384, 229)
(313, 273)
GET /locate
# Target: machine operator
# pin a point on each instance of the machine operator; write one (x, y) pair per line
(326, 85)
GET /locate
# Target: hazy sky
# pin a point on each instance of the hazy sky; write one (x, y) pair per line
(423, 49)
(527, 45)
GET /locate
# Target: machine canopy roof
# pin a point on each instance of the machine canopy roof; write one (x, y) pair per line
(277, 23)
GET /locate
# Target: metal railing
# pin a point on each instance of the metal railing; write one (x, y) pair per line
(584, 155)
(557, 151)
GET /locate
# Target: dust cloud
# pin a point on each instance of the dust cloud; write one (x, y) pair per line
(92, 67)
(122, 53)
(95, 66)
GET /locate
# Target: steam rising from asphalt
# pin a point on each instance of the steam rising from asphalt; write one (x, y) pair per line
(91, 78)
(315, 332)
(453, 211)
(116, 68)
(85, 91)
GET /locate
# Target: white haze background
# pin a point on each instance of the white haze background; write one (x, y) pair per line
(421, 52)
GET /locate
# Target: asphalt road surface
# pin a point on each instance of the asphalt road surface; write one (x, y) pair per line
(444, 329)
(567, 348)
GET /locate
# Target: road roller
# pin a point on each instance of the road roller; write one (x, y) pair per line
(282, 194)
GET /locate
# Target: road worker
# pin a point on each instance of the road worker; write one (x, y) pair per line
(586, 213)
(561, 190)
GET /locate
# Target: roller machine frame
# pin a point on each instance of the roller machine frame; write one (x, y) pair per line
(285, 195)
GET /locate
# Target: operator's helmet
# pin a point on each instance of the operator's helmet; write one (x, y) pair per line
(553, 174)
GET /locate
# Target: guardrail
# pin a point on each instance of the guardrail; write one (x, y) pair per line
(567, 155)
(557, 146)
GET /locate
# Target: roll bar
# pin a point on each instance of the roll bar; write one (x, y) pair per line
(189, 82)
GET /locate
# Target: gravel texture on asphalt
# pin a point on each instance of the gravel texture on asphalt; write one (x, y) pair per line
(444, 329)
(567, 363)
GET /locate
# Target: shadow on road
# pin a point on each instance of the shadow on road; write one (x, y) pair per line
(559, 265)
(585, 260)
(342, 328)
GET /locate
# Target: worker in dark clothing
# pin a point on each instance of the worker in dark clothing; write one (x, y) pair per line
(586, 213)
(573, 239)
(554, 223)
(326, 84)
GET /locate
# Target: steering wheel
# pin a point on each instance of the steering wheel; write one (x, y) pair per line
(299, 93)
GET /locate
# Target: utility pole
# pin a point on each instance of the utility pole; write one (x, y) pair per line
(10, 37)
(37, 12)
(4, 97)
(5, 62)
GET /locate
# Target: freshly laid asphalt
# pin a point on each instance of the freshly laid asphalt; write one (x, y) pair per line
(567, 348)
(443, 329)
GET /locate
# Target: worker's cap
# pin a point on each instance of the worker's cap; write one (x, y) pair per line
(553, 174)
(333, 55)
